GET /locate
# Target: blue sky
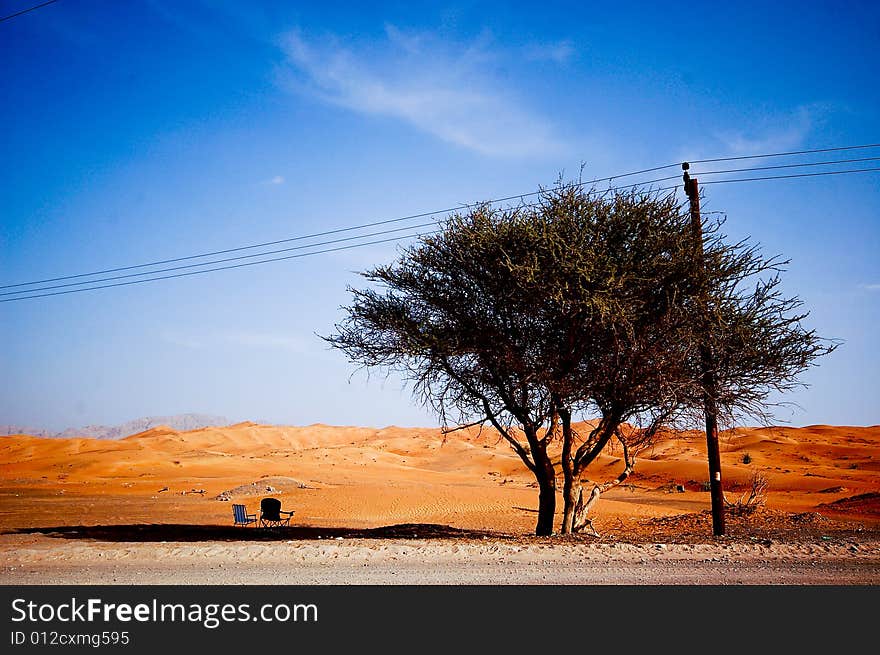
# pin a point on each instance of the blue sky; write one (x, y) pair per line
(152, 129)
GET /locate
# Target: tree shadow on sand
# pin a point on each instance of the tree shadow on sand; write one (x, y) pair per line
(159, 532)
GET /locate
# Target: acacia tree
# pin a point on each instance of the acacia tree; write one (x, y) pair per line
(527, 317)
(522, 317)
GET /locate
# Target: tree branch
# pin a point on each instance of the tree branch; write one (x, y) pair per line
(590, 450)
(491, 415)
(582, 508)
(458, 428)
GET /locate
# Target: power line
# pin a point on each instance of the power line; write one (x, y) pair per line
(219, 268)
(350, 246)
(233, 266)
(362, 236)
(786, 154)
(425, 214)
(421, 215)
(781, 177)
(339, 230)
(25, 11)
(815, 163)
(259, 254)
(220, 261)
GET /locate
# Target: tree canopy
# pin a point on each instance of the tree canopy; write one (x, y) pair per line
(585, 304)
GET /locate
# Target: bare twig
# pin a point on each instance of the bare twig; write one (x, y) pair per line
(749, 501)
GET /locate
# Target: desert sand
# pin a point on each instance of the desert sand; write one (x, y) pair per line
(408, 506)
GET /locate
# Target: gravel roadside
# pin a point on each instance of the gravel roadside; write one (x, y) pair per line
(438, 562)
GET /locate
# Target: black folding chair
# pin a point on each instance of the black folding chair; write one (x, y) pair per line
(271, 514)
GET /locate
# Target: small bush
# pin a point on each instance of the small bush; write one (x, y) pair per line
(746, 459)
(755, 498)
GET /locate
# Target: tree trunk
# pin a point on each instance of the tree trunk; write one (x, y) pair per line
(546, 476)
(546, 508)
(571, 489)
(570, 482)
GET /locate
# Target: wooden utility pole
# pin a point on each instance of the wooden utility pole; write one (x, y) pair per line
(706, 363)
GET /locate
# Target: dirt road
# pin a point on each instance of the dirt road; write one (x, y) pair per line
(41, 560)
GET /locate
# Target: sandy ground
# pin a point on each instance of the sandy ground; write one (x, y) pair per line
(442, 562)
(405, 506)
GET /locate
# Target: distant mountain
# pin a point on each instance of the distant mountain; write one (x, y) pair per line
(180, 422)
(6, 430)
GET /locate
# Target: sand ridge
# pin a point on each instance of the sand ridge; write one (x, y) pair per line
(145, 508)
(369, 476)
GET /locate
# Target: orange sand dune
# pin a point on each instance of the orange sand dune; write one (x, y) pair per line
(367, 477)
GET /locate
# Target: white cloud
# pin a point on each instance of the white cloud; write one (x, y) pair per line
(182, 340)
(774, 133)
(870, 287)
(278, 179)
(442, 88)
(558, 52)
(244, 338)
(265, 340)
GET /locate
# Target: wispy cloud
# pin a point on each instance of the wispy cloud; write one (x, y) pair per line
(870, 287)
(243, 338)
(446, 89)
(274, 181)
(266, 340)
(781, 132)
(182, 340)
(559, 52)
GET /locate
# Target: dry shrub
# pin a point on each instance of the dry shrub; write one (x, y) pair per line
(753, 499)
